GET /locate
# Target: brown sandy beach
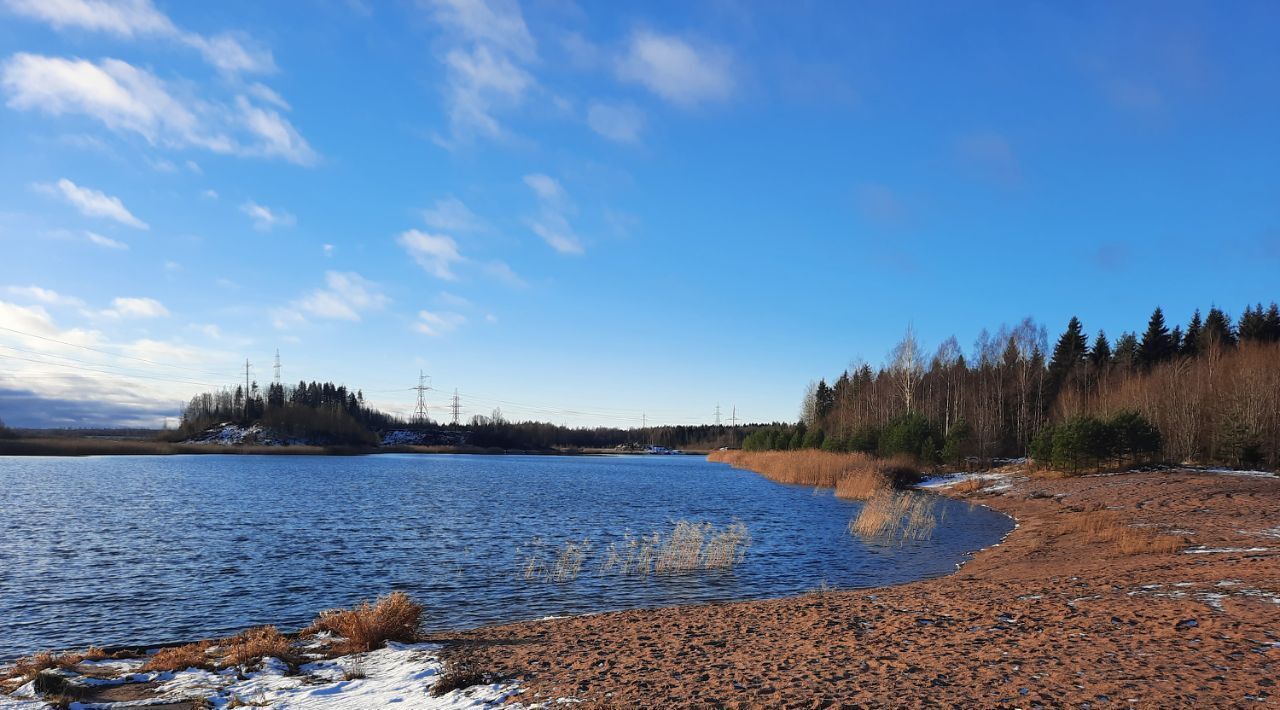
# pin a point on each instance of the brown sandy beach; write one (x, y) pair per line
(1049, 618)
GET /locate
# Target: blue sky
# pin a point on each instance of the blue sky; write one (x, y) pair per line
(583, 212)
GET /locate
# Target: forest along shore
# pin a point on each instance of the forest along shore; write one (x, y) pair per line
(1145, 589)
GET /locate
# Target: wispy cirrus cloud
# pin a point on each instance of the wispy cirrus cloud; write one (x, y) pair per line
(266, 218)
(449, 214)
(138, 19)
(91, 202)
(437, 323)
(679, 70)
(133, 307)
(435, 253)
(130, 100)
(485, 64)
(617, 122)
(346, 296)
(105, 242)
(45, 296)
(551, 222)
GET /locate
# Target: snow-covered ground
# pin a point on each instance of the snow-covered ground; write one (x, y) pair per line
(399, 676)
(997, 481)
(228, 434)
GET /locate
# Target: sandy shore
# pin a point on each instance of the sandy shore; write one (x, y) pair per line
(1045, 619)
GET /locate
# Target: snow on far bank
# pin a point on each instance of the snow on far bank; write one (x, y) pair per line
(998, 481)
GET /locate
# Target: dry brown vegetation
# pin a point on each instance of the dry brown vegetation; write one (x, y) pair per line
(896, 516)
(366, 626)
(1109, 527)
(178, 658)
(854, 476)
(972, 485)
(255, 644)
(68, 446)
(29, 667)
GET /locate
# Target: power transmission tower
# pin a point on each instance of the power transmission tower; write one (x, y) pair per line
(246, 388)
(420, 412)
(644, 421)
(733, 420)
(454, 406)
(277, 366)
(717, 414)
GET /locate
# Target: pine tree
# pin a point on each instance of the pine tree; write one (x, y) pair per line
(1191, 340)
(1156, 345)
(1100, 356)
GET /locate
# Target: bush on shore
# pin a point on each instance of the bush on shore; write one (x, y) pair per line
(366, 627)
(1083, 442)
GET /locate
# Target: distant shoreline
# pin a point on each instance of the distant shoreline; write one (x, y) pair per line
(73, 447)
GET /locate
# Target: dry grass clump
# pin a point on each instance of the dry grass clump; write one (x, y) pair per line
(29, 667)
(255, 644)
(180, 658)
(1108, 527)
(367, 627)
(461, 674)
(964, 488)
(855, 476)
(896, 516)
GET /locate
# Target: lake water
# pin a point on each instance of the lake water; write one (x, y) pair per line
(144, 550)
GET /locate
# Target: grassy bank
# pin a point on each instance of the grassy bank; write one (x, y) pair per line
(854, 476)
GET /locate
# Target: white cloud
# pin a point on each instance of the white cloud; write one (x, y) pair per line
(127, 307)
(545, 187)
(485, 67)
(454, 300)
(676, 69)
(346, 296)
(44, 295)
(134, 19)
(435, 253)
(277, 138)
(194, 167)
(210, 194)
(265, 218)
(438, 323)
(551, 224)
(127, 99)
(328, 249)
(449, 214)
(501, 271)
(617, 122)
(92, 203)
(106, 242)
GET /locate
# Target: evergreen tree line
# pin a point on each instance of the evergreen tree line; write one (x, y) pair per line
(1209, 392)
(324, 412)
(329, 413)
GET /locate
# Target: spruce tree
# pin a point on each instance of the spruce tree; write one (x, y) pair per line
(1253, 324)
(1100, 355)
(1217, 329)
(1126, 351)
(1191, 340)
(1156, 345)
(1272, 323)
(1068, 353)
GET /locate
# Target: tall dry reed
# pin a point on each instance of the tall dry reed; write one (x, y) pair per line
(896, 516)
(855, 476)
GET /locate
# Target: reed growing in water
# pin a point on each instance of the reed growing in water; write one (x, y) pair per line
(896, 516)
(854, 476)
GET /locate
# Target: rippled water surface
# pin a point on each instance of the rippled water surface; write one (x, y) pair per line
(139, 550)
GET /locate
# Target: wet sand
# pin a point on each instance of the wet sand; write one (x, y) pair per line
(1045, 619)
